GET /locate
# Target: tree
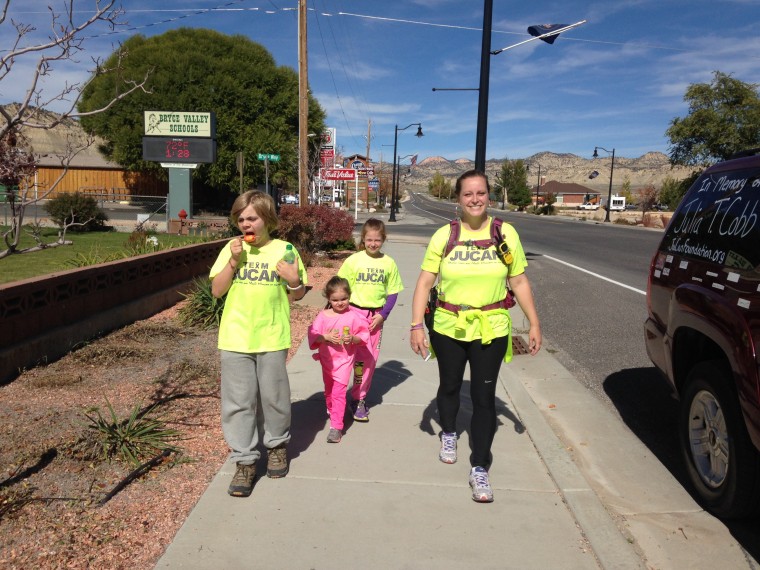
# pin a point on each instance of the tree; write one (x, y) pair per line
(625, 190)
(724, 119)
(439, 186)
(255, 102)
(671, 192)
(649, 197)
(64, 44)
(512, 182)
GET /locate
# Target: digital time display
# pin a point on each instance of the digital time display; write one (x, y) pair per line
(179, 150)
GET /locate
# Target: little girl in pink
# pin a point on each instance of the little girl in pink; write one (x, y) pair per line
(336, 333)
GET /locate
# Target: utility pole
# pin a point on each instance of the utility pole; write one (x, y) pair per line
(369, 138)
(303, 107)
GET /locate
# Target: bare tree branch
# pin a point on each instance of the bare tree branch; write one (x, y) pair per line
(64, 42)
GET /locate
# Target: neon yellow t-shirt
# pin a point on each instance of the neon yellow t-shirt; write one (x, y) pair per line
(256, 315)
(474, 277)
(371, 279)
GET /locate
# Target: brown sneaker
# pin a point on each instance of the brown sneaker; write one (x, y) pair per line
(277, 462)
(242, 481)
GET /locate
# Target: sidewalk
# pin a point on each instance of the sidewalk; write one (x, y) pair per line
(574, 488)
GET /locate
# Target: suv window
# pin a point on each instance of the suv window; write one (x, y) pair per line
(719, 220)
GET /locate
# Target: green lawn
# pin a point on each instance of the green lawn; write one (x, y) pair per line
(86, 245)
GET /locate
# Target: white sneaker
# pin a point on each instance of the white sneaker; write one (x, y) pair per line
(448, 453)
(481, 487)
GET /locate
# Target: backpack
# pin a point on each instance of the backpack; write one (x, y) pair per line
(496, 239)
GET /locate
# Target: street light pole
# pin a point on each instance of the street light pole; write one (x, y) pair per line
(394, 189)
(538, 185)
(612, 169)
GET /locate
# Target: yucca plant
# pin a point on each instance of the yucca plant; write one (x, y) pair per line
(202, 309)
(132, 439)
(93, 257)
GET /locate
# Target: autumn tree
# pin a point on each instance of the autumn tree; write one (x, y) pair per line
(254, 99)
(439, 186)
(723, 119)
(22, 54)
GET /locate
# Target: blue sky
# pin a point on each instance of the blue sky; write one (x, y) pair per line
(616, 81)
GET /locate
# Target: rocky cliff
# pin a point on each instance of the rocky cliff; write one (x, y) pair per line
(650, 168)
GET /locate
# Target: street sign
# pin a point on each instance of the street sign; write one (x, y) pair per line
(269, 157)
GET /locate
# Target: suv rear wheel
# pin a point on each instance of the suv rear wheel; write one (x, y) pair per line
(721, 462)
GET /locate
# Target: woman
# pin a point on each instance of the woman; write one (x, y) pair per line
(472, 323)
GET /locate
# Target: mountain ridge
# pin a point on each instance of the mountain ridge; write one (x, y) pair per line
(651, 168)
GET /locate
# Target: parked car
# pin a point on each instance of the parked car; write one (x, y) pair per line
(290, 199)
(588, 206)
(703, 330)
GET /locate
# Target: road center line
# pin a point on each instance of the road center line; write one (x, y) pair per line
(596, 275)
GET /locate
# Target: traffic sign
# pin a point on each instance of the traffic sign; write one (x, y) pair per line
(269, 157)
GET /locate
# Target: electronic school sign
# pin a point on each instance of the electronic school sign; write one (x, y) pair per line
(180, 124)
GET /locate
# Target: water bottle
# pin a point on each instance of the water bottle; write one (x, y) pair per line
(290, 255)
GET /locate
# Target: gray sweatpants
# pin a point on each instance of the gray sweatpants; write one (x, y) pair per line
(255, 392)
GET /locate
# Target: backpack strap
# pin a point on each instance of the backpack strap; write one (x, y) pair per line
(455, 228)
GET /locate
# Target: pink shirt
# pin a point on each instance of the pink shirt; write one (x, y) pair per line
(338, 359)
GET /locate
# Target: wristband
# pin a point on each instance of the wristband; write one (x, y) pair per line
(296, 288)
(233, 267)
(416, 327)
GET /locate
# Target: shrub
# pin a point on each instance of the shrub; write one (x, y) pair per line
(131, 439)
(312, 228)
(67, 209)
(202, 308)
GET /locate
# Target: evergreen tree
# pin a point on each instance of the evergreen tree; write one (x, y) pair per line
(513, 179)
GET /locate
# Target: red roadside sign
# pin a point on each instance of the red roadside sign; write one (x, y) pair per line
(338, 174)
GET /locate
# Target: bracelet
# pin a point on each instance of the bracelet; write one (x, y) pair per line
(296, 288)
(416, 327)
(233, 267)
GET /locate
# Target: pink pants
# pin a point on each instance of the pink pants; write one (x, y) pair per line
(335, 398)
(368, 355)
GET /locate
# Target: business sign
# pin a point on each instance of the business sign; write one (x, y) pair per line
(374, 183)
(327, 147)
(179, 124)
(338, 174)
(179, 150)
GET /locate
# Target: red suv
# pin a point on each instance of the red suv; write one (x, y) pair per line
(703, 330)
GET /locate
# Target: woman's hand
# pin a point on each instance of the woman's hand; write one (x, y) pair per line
(419, 343)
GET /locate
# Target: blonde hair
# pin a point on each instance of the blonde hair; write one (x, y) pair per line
(372, 225)
(261, 202)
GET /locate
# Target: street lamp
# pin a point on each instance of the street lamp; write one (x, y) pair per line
(394, 190)
(612, 169)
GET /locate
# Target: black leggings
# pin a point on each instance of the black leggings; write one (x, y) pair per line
(485, 361)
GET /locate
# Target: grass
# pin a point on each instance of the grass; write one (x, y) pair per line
(86, 245)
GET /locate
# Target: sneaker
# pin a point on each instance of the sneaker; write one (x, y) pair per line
(448, 453)
(481, 488)
(242, 481)
(277, 462)
(334, 436)
(361, 413)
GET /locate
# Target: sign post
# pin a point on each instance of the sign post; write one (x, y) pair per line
(345, 174)
(179, 140)
(266, 158)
